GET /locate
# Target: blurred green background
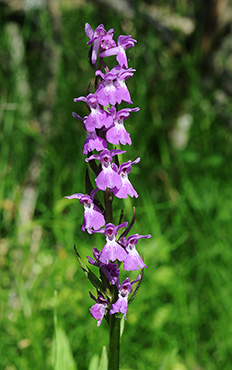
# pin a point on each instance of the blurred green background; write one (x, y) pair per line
(181, 318)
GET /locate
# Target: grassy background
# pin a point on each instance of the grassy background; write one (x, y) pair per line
(181, 319)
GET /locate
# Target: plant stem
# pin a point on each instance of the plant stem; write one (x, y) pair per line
(114, 344)
(114, 321)
(108, 199)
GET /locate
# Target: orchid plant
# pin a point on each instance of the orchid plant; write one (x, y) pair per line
(105, 129)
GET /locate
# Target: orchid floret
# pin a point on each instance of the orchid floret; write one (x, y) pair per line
(93, 217)
(124, 290)
(133, 260)
(117, 133)
(98, 310)
(98, 38)
(126, 188)
(97, 117)
(108, 177)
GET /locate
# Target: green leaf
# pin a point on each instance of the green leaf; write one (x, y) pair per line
(122, 324)
(93, 365)
(104, 359)
(63, 357)
(61, 349)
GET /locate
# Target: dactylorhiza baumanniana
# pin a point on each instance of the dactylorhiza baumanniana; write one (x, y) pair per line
(105, 129)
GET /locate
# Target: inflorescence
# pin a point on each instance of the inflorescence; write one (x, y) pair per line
(104, 126)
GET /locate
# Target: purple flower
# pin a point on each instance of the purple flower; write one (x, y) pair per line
(107, 92)
(112, 250)
(107, 41)
(126, 188)
(124, 42)
(110, 270)
(113, 88)
(98, 38)
(93, 141)
(118, 134)
(124, 290)
(97, 117)
(133, 260)
(108, 177)
(93, 217)
(122, 75)
(98, 309)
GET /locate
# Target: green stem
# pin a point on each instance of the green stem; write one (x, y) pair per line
(114, 345)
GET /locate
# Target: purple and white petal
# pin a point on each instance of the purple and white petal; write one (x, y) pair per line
(133, 261)
(94, 142)
(127, 188)
(98, 310)
(108, 178)
(117, 133)
(93, 217)
(112, 251)
(120, 306)
(124, 290)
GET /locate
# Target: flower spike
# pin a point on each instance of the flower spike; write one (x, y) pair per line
(105, 128)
